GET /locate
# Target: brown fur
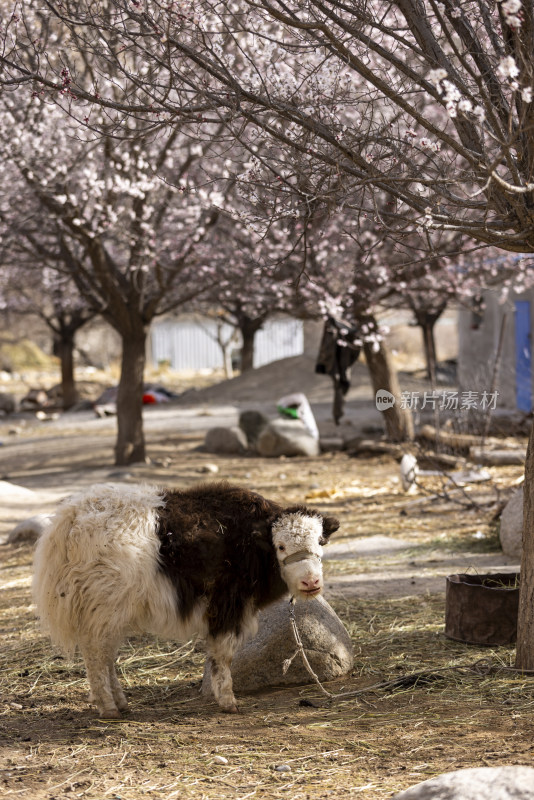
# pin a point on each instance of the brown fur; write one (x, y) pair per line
(216, 543)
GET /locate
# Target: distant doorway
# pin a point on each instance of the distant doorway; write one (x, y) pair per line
(523, 356)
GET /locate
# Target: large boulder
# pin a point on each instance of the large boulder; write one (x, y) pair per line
(479, 783)
(286, 438)
(511, 529)
(252, 423)
(228, 441)
(7, 403)
(259, 663)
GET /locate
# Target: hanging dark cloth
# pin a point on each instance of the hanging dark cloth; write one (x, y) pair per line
(337, 353)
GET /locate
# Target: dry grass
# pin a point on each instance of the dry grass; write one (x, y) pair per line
(371, 746)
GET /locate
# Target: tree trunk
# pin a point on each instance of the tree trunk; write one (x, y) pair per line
(227, 361)
(248, 329)
(426, 320)
(64, 350)
(226, 346)
(525, 624)
(430, 346)
(130, 445)
(398, 421)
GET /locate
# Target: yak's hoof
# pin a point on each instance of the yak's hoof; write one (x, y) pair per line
(110, 713)
(230, 709)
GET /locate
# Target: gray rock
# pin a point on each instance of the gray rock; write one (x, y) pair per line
(511, 530)
(226, 440)
(209, 469)
(29, 530)
(479, 783)
(252, 423)
(286, 438)
(7, 403)
(259, 663)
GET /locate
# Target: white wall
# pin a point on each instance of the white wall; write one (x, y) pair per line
(191, 343)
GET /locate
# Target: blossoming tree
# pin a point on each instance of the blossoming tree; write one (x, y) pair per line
(33, 276)
(129, 242)
(45, 292)
(254, 280)
(427, 101)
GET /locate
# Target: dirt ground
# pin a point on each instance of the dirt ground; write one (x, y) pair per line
(384, 574)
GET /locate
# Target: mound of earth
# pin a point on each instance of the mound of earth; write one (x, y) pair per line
(266, 384)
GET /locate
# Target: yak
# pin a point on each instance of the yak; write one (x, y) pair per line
(121, 559)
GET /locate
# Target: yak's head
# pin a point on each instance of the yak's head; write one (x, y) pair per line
(298, 538)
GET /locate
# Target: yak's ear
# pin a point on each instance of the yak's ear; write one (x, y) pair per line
(330, 525)
(262, 532)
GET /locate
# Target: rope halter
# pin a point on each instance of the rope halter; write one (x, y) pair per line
(300, 555)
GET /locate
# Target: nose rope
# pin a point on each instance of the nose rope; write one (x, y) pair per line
(300, 555)
(300, 649)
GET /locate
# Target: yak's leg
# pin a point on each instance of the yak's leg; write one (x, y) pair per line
(116, 688)
(97, 658)
(220, 650)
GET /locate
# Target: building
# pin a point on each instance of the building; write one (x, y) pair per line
(495, 349)
(189, 342)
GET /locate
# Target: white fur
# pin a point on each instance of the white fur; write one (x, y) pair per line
(97, 579)
(292, 533)
(96, 569)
